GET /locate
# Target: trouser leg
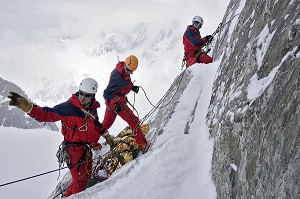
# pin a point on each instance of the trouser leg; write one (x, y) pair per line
(109, 118)
(133, 121)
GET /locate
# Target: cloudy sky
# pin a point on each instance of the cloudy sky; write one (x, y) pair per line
(31, 31)
(45, 43)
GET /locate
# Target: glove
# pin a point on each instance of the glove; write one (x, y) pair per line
(208, 37)
(135, 89)
(109, 140)
(19, 101)
(118, 108)
(97, 147)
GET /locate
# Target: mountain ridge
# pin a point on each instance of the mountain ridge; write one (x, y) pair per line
(14, 117)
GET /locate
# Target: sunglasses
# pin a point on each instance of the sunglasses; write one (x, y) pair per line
(85, 94)
(198, 24)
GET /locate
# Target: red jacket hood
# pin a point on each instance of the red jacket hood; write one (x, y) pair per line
(120, 68)
(193, 29)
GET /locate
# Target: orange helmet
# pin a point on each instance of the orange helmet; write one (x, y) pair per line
(131, 62)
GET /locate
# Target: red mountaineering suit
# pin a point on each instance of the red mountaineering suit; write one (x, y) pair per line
(80, 131)
(115, 94)
(193, 43)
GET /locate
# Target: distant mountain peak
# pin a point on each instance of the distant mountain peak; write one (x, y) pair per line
(14, 117)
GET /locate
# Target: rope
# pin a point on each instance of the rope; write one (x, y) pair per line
(31, 177)
(179, 79)
(223, 25)
(34, 176)
(157, 106)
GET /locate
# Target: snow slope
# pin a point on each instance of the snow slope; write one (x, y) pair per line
(24, 153)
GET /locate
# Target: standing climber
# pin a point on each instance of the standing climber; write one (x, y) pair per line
(80, 127)
(193, 43)
(119, 86)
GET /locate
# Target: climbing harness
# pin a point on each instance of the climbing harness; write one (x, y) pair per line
(62, 157)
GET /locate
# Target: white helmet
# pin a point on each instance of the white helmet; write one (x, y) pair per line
(88, 85)
(198, 19)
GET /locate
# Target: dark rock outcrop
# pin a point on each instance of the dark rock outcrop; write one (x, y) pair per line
(14, 117)
(254, 114)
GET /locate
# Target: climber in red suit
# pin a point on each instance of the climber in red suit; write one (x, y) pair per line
(115, 99)
(80, 127)
(193, 43)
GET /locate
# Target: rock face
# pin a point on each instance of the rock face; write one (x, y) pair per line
(254, 113)
(14, 117)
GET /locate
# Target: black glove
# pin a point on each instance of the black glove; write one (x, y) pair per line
(118, 108)
(135, 89)
(208, 37)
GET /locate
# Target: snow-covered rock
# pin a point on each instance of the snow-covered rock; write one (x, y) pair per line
(254, 110)
(14, 117)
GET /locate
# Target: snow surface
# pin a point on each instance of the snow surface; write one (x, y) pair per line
(263, 42)
(234, 20)
(25, 153)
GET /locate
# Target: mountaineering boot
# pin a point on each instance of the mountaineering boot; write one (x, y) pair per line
(94, 180)
(145, 146)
